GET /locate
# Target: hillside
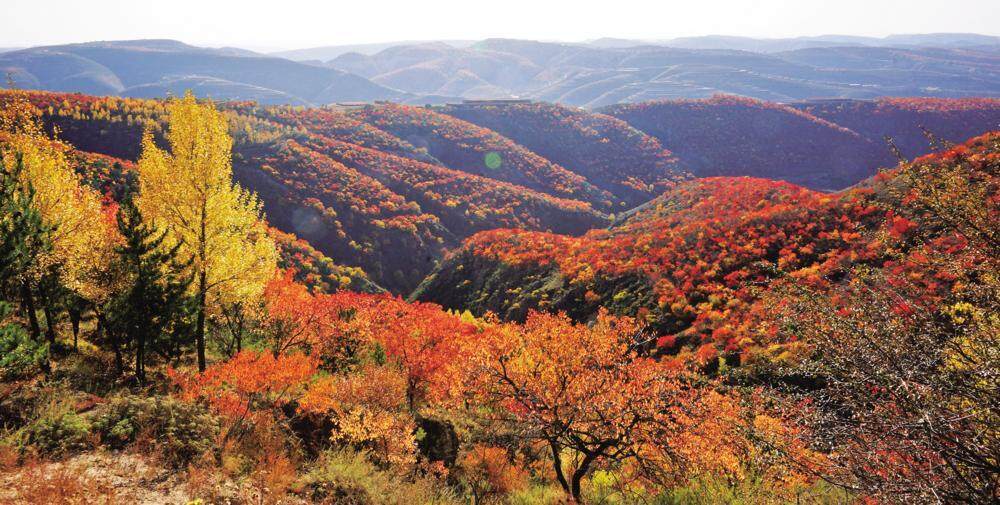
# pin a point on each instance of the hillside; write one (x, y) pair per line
(464, 146)
(695, 262)
(905, 119)
(359, 195)
(685, 262)
(390, 188)
(596, 75)
(590, 75)
(727, 135)
(151, 68)
(611, 154)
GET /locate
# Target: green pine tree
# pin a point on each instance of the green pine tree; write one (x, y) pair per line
(23, 237)
(152, 313)
(20, 355)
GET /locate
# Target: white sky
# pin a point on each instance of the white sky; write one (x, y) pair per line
(290, 24)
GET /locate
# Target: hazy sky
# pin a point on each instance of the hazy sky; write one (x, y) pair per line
(274, 24)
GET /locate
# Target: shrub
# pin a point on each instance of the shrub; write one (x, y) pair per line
(20, 356)
(59, 434)
(490, 473)
(348, 477)
(181, 430)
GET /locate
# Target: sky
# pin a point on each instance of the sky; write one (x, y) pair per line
(293, 24)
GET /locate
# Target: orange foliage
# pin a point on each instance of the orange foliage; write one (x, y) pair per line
(702, 247)
(369, 411)
(491, 472)
(249, 384)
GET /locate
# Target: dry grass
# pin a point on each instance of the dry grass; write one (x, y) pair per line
(93, 478)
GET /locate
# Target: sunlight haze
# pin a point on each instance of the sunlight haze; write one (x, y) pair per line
(267, 25)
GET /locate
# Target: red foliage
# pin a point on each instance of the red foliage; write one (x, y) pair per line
(465, 146)
(727, 135)
(607, 151)
(249, 382)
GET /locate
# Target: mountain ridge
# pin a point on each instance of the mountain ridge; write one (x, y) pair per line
(576, 74)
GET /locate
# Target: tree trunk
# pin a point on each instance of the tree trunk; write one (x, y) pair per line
(557, 465)
(200, 330)
(577, 478)
(34, 329)
(29, 306)
(582, 470)
(74, 321)
(140, 356)
(115, 344)
(50, 325)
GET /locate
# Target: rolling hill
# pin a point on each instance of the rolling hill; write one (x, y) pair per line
(908, 121)
(728, 136)
(611, 154)
(357, 194)
(595, 75)
(590, 75)
(697, 262)
(151, 68)
(465, 146)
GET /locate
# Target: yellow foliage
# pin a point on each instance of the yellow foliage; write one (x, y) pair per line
(82, 234)
(369, 410)
(190, 193)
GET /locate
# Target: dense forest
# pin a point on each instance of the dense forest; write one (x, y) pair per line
(685, 302)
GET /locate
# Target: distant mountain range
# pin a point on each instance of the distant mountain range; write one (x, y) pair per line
(326, 53)
(595, 74)
(761, 45)
(153, 68)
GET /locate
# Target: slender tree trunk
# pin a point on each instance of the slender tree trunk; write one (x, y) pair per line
(119, 360)
(200, 330)
(140, 356)
(34, 329)
(102, 327)
(74, 321)
(29, 306)
(50, 324)
(578, 477)
(557, 466)
(202, 287)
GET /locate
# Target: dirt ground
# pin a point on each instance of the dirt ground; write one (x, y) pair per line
(94, 478)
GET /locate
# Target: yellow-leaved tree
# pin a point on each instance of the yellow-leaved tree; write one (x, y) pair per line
(189, 192)
(81, 233)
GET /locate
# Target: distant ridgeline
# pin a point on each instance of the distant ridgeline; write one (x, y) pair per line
(588, 75)
(378, 192)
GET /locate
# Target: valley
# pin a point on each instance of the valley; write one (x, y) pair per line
(690, 271)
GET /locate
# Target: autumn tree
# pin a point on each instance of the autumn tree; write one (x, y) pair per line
(908, 353)
(296, 318)
(582, 391)
(79, 233)
(368, 410)
(23, 236)
(189, 193)
(248, 389)
(424, 341)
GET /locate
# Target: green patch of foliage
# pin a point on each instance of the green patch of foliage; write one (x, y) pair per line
(183, 431)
